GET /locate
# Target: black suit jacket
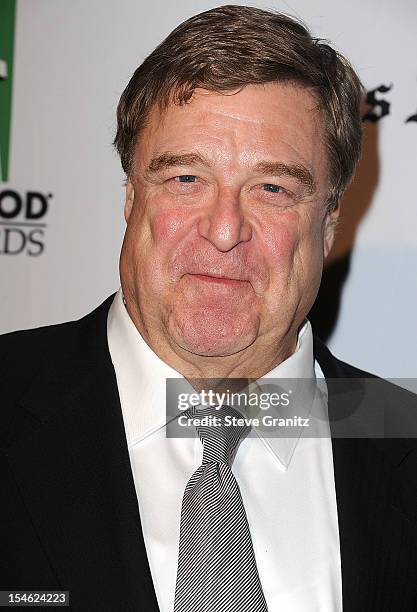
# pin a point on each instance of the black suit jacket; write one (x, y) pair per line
(69, 515)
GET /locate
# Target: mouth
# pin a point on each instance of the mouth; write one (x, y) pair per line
(218, 279)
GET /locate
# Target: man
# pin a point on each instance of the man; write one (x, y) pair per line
(238, 135)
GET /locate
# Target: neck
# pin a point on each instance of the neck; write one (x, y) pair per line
(253, 362)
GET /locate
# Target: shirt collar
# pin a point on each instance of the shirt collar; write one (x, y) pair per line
(141, 378)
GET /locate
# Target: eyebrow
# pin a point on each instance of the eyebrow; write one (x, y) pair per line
(168, 160)
(294, 170)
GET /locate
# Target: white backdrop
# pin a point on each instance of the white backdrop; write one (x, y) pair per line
(72, 60)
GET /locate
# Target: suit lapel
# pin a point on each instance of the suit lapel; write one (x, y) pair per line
(73, 471)
(375, 503)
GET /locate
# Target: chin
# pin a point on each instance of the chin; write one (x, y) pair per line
(213, 333)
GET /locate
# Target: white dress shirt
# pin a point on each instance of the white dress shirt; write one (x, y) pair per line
(287, 484)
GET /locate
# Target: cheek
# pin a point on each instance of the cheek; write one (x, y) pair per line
(168, 226)
(168, 229)
(281, 239)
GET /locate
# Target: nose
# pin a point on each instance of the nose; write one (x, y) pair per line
(224, 223)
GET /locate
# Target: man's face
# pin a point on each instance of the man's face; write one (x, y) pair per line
(227, 227)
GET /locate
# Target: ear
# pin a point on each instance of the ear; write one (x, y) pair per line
(130, 196)
(330, 223)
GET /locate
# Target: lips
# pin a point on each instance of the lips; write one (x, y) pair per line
(218, 279)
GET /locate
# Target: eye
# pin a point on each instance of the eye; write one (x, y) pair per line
(274, 195)
(185, 178)
(273, 188)
(184, 184)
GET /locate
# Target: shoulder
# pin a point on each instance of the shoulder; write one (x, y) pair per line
(20, 347)
(366, 404)
(25, 354)
(334, 368)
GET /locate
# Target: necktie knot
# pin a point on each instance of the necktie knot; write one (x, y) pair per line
(220, 432)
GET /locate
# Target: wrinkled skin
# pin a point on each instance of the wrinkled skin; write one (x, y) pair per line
(227, 228)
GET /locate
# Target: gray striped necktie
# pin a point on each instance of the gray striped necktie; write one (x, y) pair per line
(216, 566)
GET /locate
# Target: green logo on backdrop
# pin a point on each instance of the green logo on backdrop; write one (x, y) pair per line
(7, 27)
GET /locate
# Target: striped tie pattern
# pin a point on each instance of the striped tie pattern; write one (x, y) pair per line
(216, 565)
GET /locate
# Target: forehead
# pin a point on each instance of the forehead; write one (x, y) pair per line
(275, 120)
